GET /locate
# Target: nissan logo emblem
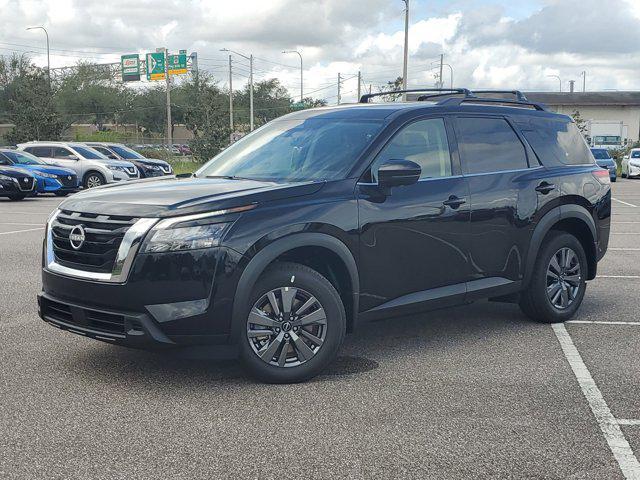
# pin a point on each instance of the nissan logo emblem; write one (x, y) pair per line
(25, 179)
(69, 177)
(77, 237)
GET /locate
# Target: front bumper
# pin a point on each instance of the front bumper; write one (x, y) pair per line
(50, 185)
(633, 171)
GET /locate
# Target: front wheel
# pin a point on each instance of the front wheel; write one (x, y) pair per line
(558, 283)
(61, 194)
(294, 325)
(94, 179)
(17, 197)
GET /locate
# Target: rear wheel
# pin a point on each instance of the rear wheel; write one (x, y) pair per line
(93, 179)
(293, 326)
(558, 283)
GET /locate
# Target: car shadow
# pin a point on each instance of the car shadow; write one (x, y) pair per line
(372, 345)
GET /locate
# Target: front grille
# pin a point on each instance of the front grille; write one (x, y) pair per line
(83, 317)
(132, 172)
(166, 169)
(26, 183)
(68, 180)
(103, 236)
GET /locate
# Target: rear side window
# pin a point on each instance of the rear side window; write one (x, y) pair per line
(557, 141)
(489, 145)
(39, 151)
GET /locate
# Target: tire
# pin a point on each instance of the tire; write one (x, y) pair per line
(290, 365)
(614, 179)
(17, 197)
(61, 194)
(535, 301)
(624, 175)
(93, 179)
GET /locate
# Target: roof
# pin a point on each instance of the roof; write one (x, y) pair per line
(585, 98)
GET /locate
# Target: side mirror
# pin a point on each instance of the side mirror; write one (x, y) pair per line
(72, 157)
(626, 157)
(394, 173)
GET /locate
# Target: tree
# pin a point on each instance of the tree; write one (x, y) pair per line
(27, 102)
(581, 123)
(391, 86)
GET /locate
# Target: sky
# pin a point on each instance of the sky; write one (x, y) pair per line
(517, 44)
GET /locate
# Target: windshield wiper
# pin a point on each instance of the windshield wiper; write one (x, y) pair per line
(228, 177)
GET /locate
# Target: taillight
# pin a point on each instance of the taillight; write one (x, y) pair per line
(602, 176)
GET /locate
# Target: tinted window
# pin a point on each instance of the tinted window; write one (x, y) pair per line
(126, 153)
(60, 152)
(291, 150)
(39, 151)
(4, 160)
(424, 142)
(106, 152)
(23, 158)
(635, 154)
(489, 145)
(557, 141)
(600, 153)
(89, 153)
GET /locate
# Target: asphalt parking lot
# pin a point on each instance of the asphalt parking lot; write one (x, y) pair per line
(472, 392)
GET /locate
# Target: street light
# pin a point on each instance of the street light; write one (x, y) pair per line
(451, 77)
(301, 71)
(250, 58)
(559, 80)
(48, 59)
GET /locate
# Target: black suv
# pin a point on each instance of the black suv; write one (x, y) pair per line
(329, 217)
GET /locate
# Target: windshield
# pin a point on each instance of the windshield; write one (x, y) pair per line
(601, 154)
(126, 153)
(23, 158)
(295, 150)
(635, 154)
(89, 153)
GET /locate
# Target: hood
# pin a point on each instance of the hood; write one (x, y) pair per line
(171, 196)
(153, 161)
(17, 172)
(49, 169)
(120, 163)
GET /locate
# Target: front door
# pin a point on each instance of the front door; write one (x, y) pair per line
(414, 239)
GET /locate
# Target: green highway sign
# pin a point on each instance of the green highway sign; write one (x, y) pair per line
(297, 106)
(155, 66)
(130, 68)
(178, 63)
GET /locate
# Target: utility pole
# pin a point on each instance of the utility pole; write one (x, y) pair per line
(339, 89)
(584, 81)
(441, 65)
(230, 95)
(250, 58)
(359, 84)
(559, 80)
(168, 80)
(406, 49)
(48, 57)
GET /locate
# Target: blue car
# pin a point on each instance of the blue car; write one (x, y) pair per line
(604, 160)
(50, 178)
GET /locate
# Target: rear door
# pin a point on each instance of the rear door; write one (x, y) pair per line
(414, 239)
(42, 152)
(502, 185)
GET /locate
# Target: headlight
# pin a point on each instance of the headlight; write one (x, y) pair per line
(186, 238)
(116, 167)
(5, 177)
(634, 163)
(46, 175)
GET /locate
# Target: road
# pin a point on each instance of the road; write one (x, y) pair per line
(471, 392)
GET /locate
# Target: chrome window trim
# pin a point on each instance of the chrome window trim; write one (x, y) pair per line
(124, 259)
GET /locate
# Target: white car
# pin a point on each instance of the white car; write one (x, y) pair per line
(92, 167)
(631, 164)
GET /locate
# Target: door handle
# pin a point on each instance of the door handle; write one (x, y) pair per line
(545, 188)
(454, 202)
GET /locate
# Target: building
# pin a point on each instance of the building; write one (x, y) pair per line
(613, 118)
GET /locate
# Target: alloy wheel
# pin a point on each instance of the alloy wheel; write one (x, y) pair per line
(563, 278)
(94, 181)
(286, 327)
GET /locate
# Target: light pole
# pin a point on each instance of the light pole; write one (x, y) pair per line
(250, 58)
(301, 72)
(584, 81)
(48, 58)
(450, 69)
(559, 80)
(406, 48)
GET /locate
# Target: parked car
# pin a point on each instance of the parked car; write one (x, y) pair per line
(50, 179)
(604, 160)
(16, 183)
(148, 167)
(182, 148)
(91, 167)
(326, 218)
(631, 164)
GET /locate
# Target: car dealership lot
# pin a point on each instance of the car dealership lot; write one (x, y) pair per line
(472, 392)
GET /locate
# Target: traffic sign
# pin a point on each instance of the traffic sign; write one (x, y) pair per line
(178, 63)
(155, 66)
(130, 68)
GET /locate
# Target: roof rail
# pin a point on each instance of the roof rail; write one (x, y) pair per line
(521, 97)
(500, 101)
(466, 92)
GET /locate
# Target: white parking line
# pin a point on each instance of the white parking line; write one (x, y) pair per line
(24, 224)
(626, 421)
(620, 249)
(624, 223)
(26, 213)
(624, 203)
(604, 322)
(611, 430)
(20, 231)
(618, 276)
